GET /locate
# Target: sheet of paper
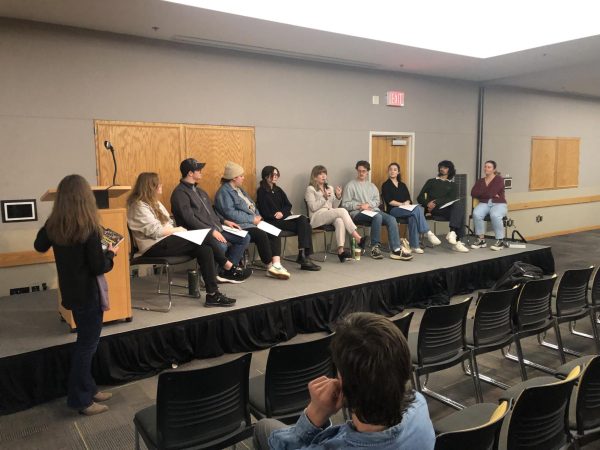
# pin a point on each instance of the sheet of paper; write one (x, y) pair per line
(268, 228)
(369, 213)
(408, 207)
(195, 236)
(292, 217)
(236, 231)
(449, 203)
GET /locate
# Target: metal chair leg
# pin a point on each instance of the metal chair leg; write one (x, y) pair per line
(475, 376)
(436, 395)
(168, 308)
(558, 346)
(483, 377)
(528, 363)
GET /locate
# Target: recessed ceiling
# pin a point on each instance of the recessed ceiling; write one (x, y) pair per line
(571, 67)
(480, 29)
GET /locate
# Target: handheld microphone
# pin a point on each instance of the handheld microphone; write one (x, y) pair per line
(325, 185)
(108, 146)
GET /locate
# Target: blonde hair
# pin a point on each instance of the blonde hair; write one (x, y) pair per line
(314, 173)
(145, 191)
(74, 217)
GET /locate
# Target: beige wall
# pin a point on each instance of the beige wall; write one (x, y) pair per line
(55, 81)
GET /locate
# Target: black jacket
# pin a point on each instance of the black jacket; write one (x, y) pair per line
(77, 266)
(193, 210)
(271, 201)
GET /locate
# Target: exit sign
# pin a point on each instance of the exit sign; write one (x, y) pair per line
(395, 98)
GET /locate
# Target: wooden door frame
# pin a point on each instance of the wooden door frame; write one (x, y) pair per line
(411, 151)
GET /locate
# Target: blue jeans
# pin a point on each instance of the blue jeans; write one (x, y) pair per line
(81, 386)
(376, 222)
(496, 211)
(417, 223)
(234, 251)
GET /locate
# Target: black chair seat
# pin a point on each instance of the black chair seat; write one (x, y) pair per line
(162, 260)
(565, 369)
(514, 391)
(471, 417)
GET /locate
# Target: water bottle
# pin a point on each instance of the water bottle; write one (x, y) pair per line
(192, 277)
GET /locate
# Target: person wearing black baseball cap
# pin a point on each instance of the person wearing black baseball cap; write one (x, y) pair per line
(192, 209)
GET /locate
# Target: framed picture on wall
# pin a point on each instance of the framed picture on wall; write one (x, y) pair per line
(19, 211)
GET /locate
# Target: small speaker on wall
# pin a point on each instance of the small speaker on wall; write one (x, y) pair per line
(19, 210)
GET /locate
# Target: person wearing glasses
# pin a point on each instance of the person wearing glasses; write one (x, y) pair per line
(276, 208)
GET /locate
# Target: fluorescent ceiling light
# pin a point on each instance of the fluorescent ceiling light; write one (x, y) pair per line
(477, 28)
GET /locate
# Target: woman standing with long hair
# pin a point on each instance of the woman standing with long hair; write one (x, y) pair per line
(153, 231)
(73, 231)
(323, 204)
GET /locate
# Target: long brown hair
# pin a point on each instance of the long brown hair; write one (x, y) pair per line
(314, 173)
(74, 216)
(145, 191)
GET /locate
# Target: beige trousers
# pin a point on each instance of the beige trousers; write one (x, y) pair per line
(339, 218)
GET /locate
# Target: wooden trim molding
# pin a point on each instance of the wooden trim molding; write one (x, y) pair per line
(25, 258)
(553, 202)
(562, 232)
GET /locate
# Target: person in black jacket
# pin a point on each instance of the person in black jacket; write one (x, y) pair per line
(275, 207)
(192, 210)
(73, 231)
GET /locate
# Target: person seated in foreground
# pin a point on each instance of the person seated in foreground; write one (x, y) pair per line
(396, 196)
(276, 208)
(361, 199)
(192, 209)
(435, 197)
(154, 233)
(234, 203)
(374, 365)
(489, 190)
(323, 204)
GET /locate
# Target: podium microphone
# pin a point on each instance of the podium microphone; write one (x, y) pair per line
(108, 146)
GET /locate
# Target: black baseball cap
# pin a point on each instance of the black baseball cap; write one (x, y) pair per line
(190, 165)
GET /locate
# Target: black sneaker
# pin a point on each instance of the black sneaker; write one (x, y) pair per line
(218, 299)
(375, 251)
(307, 264)
(234, 275)
(479, 243)
(401, 255)
(498, 245)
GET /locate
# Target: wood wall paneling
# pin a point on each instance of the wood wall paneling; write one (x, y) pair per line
(567, 163)
(543, 164)
(215, 146)
(160, 147)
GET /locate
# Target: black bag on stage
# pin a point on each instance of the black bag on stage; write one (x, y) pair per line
(519, 273)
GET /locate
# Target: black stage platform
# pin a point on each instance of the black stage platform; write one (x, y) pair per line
(35, 346)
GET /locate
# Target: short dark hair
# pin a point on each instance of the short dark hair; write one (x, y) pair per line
(450, 166)
(364, 164)
(265, 174)
(372, 357)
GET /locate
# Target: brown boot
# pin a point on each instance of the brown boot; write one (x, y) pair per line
(94, 409)
(102, 396)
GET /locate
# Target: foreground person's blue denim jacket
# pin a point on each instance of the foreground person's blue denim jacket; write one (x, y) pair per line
(415, 432)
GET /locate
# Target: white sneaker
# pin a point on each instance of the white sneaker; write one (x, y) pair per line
(417, 250)
(460, 247)
(405, 245)
(451, 238)
(278, 272)
(432, 238)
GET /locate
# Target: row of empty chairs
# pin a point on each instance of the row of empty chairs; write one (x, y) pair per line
(211, 407)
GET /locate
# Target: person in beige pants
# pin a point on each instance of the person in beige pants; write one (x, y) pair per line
(323, 203)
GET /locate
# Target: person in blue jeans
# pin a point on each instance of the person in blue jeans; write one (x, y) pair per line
(74, 232)
(361, 198)
(397, 201)
(373, 362)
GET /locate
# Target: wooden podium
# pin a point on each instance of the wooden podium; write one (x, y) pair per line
(115, 218)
